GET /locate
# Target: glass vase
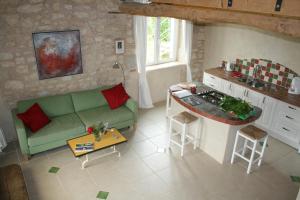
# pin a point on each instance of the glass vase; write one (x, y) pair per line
(98, 137)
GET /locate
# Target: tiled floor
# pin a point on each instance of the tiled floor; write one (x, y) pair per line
(144, 172)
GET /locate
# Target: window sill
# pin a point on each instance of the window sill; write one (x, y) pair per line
(164, 66)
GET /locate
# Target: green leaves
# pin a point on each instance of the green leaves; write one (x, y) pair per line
(238, 106)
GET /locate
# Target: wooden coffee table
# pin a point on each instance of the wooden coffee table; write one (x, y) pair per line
(112, 138)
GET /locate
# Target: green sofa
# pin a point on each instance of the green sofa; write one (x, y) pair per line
(71, 114)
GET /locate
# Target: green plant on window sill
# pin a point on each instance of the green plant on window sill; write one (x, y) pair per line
(237, 107)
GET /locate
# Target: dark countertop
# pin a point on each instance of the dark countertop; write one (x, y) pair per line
(213, 112)
(276, 92)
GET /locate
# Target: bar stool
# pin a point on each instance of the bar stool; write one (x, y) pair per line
(184, 119)
(252, 134)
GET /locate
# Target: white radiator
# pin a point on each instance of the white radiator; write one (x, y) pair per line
(3, 143)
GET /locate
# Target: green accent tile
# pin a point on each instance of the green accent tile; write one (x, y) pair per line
(289, 80)
(295, 179)
(53, 170)
(286, 74)
(247, 72)
(270, 80)
(268, 69)
(102, 195)
(275, 77)
(273, 66)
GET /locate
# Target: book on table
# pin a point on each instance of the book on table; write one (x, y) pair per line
(84, 147)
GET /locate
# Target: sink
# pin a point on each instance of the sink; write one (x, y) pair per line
(252, 82)
(256, 84)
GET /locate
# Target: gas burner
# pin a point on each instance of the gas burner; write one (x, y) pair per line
(210, 96)
(213, 97)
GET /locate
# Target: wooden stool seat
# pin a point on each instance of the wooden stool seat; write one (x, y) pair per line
(185, 117)
(253, 132)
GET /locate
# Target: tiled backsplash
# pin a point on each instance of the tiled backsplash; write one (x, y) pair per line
(266, 70)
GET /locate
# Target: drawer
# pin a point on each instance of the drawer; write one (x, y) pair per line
(211, 79)
(289, 110)
(290, 118)
(288, 130)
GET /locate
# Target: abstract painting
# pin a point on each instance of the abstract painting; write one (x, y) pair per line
(57, 53)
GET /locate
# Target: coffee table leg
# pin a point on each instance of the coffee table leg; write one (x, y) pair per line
(85, 161)
(115, 151)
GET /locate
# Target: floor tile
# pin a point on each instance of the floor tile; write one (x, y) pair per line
(144, 148)
(147, 169)
(9, 158)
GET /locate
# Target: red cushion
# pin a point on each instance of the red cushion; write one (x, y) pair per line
(34, 118)
(115, 96)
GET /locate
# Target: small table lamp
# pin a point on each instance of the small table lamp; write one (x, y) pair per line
(118, 65)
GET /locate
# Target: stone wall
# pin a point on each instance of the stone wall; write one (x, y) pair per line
(98, 29)
(198, 52)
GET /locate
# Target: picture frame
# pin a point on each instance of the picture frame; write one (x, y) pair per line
(57, 53)
(120, 49)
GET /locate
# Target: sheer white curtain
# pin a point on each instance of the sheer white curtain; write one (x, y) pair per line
(187, 27)
(140, 35)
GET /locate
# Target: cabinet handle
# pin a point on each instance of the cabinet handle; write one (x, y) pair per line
(264, 100)
(289, 117)
(285, 129)
(247, 93)
(212, 85)
(230, 86)
(212, 77)
(244, 93)
(290, 107)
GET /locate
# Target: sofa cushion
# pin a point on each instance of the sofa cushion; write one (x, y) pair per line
(52, 105)
(61, 128)
(34, 118)
(88, 99)
(105, 114)
(115, 96)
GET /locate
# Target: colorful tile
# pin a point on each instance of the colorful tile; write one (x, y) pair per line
(102, 195)
(268, 71)
(295, 179)
(53, 170)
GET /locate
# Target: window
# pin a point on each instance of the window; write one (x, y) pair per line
(162, 38)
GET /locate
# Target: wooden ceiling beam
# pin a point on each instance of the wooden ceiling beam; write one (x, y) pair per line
(289, 8)
(288, 26)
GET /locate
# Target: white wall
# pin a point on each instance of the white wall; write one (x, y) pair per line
(228, 42)
(160, 79)
(6, 122)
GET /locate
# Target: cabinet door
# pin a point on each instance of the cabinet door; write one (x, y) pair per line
(267, 105)
(254, 98)
(228, 88)
(239, 91)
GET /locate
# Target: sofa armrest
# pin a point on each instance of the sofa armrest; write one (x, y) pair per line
(21, 132)
(132, 105)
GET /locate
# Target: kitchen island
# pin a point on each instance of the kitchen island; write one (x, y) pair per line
(280, 110)
(218, 128)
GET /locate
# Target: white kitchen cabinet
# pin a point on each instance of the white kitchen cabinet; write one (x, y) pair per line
(267, 104)
(239, 91)
(286, 124)
(212, 81)
(254, 98)
(228, 87)
(279, 119)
